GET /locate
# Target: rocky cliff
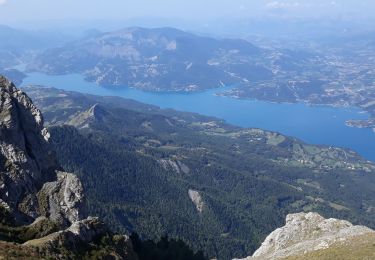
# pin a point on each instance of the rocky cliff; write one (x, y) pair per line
(310, 236)
(40, 204)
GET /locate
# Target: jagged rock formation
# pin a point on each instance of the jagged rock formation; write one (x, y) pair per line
(31, 182)
(40, 204)
(308, 232)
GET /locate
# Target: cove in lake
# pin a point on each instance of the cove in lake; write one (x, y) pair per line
(313, 124)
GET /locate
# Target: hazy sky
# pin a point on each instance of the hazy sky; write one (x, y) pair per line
(29, 10)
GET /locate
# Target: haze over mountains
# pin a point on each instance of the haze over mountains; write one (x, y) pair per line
(18, 46)
(163, 59)
(170, 60)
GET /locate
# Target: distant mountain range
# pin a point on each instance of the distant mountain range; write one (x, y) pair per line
(163, 59)
(336, 72)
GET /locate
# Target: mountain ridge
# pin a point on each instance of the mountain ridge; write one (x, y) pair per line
(158, 59)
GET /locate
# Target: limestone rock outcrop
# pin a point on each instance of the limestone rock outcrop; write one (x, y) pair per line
(307, 232)
(197, 199)
(65, 198)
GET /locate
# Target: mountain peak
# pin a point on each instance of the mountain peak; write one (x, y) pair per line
(10, 97)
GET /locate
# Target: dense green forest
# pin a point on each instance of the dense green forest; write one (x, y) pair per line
(165, 249)
(139, 166)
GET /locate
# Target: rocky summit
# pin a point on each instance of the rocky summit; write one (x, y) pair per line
(311, 236)
(41, 206)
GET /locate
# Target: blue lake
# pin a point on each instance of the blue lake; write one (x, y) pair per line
(313, 124)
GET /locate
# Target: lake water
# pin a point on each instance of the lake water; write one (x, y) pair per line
(313, 124)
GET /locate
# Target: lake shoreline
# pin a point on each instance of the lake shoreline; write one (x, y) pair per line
(321, 124)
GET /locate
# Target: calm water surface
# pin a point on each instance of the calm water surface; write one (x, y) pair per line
(313, 124)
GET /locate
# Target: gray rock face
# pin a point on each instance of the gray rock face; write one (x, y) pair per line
(197, 199)
(86, 230)
(36, 192)
(31, 184)
(306, 232)
(64, 197)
